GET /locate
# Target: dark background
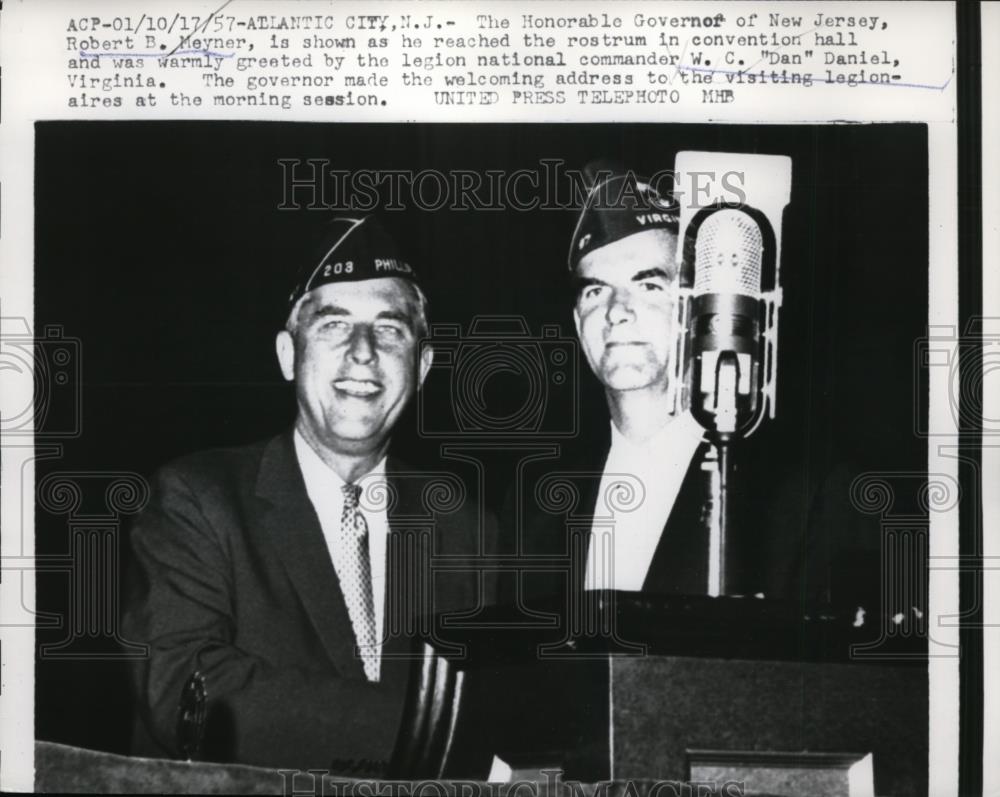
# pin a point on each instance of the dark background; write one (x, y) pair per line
(161, 248)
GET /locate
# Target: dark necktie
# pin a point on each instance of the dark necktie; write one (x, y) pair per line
(356, 580)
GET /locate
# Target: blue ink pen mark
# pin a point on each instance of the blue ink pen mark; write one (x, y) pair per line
(942, 87)
(209, 53)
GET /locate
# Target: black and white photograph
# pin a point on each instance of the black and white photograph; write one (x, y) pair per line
(495, 452)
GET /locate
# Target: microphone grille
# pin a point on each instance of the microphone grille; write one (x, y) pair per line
(728, 251)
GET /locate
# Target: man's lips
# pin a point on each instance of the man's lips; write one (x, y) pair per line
(359, 388)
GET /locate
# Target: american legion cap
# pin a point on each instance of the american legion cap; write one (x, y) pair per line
(350, 249)
(618, 204)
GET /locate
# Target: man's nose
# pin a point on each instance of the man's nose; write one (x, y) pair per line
(362, 344)
(620, 306)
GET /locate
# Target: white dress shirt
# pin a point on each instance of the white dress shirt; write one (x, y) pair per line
(324, 488)
(641, 481)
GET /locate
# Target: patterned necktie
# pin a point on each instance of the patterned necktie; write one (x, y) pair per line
(356, 579)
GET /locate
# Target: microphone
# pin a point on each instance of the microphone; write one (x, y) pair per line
(730, 295)
(730, 285)
(725, 322)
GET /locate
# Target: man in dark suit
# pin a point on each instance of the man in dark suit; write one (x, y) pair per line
(624, 505)
(627, 504)
(286, 579)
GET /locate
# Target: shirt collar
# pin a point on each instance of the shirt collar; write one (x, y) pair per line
(317, 473)
(683, 432)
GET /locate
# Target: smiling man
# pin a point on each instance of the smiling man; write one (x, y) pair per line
(286, 580)
(350, 346)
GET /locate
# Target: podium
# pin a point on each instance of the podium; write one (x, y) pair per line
(770, 695)
(744, 695)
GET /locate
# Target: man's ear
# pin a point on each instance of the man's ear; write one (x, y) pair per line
(426, 359)
(576, 322)
(284, 345)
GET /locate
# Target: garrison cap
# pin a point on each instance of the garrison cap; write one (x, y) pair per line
(350, 249)
(618, 204)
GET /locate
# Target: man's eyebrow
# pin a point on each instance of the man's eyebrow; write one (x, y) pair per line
(395, 315)
(322, 310)
(579, 283)
(649, 273)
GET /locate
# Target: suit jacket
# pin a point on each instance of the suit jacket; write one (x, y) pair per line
(550, 511)
(787, 544)
(232, 578)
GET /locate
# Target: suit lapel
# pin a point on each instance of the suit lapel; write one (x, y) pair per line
(402, 560)
(407, 571)
(408, 548)
(294, 529)
(680, 563)
(591, 462)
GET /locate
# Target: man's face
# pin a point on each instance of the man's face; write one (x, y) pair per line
(353, 356)
(625, 310)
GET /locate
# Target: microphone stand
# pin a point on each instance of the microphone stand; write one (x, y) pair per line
(726, 380)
